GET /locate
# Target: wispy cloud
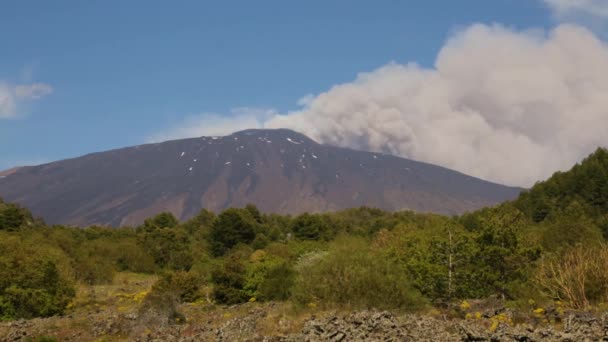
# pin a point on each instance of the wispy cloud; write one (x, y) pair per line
(566, 8)
(13, 96)
(211, 124)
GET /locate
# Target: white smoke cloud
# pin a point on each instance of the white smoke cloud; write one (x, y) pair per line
(503, 105)
(507, 106)
(211, 124)
(565, 8)
(13, 96)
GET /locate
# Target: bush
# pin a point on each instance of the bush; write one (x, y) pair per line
(579, 278)
(350, 275)
(267, 277)
(277, 283)
(232, 227)
(160, 221)
(310, 227)
(170, 248)
(229, 282)
(13, 217)
(132, 257)
(184, 286)
(37, 291)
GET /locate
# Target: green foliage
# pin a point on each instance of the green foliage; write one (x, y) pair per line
(349, 274)
(310, 227)
(267, 277)
(586, 182)
(568, 228)
(31, 284)
(13, 217)
(232, 227)
(93, 269)
(184, 286)
(130, 256)
(229, 282)
(162, 220)
(501, 260)
(277, 283)
(440, 264)
(170, 248)
(360, 257)
(199, 225)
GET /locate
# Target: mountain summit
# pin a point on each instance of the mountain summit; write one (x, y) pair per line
(280, 171)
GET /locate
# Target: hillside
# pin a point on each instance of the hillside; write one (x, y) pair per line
(585, 184)
(491, 274)
(280, 171)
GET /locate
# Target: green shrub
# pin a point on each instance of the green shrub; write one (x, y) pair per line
(94, 271)
(170, 248)
(277, 283)
(267, 277)
(13, 217)
(184, 286)
(229, 282)
(310, 227)
(130, 256)
(32, 288)
(160, 221)
(350, 275)
(232, 227)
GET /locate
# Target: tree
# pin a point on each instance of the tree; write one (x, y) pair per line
(13, 217)
(233, 226)
(310, 227)
(31, 284)
(200, 223)
(169, 248)
(255, 213)
(229, 281)
(162, 220)
(500, 259)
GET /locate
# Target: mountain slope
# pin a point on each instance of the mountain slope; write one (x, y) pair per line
(585, 184)
(278, 170)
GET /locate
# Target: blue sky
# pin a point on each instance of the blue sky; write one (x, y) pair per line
(115, 73)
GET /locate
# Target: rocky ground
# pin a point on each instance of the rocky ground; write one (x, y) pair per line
(254, 322)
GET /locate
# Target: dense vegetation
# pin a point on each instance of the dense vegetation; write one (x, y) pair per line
(547, 245)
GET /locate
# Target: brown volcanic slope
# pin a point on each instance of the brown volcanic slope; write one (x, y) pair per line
(278, 170)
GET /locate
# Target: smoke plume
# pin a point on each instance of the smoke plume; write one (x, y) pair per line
(507, 106)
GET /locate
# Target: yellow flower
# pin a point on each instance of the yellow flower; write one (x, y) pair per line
(465, 305)
(252, 299)
(539, 311)
(478, 315)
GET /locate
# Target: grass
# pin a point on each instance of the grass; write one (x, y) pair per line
(124, 294)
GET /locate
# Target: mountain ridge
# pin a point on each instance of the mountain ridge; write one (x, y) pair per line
(280, 171)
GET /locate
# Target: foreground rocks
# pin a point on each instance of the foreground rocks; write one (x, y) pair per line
(263, 324)
(384, 326)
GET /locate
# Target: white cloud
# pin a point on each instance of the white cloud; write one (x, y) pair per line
(506, 106)
(211, 124)
(503, 105)
(11, 97)
(33, 91)
(566, 8)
